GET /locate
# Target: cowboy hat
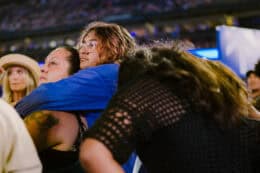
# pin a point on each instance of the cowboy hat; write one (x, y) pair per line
(21, 60)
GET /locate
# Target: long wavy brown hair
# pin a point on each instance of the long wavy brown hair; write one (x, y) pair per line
(212, 87)
(116, 40)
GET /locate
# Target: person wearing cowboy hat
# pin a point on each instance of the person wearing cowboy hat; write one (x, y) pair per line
(20, 76)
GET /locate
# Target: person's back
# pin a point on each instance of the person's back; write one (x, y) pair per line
(18, 153)
(196, 142)
(180, 114)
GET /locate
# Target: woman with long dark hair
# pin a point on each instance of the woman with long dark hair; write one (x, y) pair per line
(180, 114)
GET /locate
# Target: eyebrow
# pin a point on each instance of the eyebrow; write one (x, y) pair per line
(93, 39)
(52, 58)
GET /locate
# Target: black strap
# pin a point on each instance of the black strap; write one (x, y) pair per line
(81, 133)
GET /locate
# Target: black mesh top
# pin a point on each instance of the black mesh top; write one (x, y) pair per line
(169, 137)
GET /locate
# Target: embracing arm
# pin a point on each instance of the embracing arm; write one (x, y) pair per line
(88, 89)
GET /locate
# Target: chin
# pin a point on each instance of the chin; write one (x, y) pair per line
(42, 82)
(83, 66)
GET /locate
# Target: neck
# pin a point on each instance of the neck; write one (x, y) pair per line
(18, 95)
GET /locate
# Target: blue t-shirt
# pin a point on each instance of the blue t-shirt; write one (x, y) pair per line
(88, 90)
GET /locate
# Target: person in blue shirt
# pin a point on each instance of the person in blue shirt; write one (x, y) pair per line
(101, 47)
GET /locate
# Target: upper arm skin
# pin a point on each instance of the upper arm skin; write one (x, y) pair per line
(55, 129)
(38, 125)
(95, 157)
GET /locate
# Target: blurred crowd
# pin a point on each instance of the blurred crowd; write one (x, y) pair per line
(109, 103)
(23, 24)
(38, 14)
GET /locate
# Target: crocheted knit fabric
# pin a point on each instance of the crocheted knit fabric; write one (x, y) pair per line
(168, 136)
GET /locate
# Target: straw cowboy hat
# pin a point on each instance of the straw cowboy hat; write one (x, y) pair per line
(21, 60)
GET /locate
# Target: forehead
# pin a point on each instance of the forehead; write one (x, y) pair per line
(16, 67)
(58, 54)
(90, 36)
(252, 75)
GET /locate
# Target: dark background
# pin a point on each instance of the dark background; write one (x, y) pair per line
(35, 27)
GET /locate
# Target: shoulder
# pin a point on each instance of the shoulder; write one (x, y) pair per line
(102, 68)
(7, 113)
(10, 122)
(103, 71)
(17, 142)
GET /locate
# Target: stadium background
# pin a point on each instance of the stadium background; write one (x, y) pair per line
(34, 27)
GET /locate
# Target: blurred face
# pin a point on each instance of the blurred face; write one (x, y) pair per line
(253, 84)
(56, 66)
(89, 51)
(17, 78)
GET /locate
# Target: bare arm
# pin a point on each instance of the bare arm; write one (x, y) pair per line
(38, 124)
(95, 157)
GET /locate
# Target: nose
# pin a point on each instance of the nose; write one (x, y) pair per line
(82, 49)
(44, 68)
(83, 52)
(13, 76)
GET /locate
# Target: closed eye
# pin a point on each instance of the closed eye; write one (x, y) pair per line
(52, 63)
(20, 72)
